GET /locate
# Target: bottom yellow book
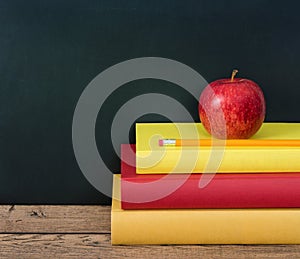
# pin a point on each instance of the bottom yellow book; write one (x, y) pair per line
(202, 226)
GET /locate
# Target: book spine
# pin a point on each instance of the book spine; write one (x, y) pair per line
(223, 191)
(233, 160)
(261, 226)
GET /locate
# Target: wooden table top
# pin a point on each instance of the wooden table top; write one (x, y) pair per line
(84, 232)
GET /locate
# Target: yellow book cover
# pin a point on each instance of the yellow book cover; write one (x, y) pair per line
(202, 226)
(266, 151)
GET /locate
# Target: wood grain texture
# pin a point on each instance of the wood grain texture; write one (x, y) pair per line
(84, 232)
(54, 219)
(98, 246)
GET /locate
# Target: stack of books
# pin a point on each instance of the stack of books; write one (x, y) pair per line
(236, 192)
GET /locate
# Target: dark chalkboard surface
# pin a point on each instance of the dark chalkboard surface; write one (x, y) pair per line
(51, 50)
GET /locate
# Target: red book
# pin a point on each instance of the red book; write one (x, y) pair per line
(264, 190)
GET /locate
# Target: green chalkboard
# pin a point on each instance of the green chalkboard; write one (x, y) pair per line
(51, 50)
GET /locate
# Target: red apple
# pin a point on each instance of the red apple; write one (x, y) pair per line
(232, 108)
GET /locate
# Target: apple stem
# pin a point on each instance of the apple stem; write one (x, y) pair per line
(234, 72)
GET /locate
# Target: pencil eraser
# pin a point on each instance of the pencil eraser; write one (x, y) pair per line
(160, 142)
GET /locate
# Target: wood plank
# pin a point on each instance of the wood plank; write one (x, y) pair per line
(98, 246)
(84, 232)
(54, 219)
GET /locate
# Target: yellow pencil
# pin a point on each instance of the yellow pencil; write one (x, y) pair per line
(230, 142)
